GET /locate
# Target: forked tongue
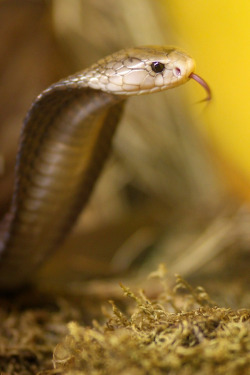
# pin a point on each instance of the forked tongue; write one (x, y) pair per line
(203, 84)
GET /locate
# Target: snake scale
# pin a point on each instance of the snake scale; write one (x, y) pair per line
(65, 140)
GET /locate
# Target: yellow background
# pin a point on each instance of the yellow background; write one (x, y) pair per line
(217, 34)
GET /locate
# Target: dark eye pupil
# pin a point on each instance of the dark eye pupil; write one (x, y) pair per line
(157, 67)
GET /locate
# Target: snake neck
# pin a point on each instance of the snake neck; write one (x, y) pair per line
(64, 144)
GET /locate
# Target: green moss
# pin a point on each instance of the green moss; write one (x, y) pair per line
(181, 332)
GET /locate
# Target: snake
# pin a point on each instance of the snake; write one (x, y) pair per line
(65, 140)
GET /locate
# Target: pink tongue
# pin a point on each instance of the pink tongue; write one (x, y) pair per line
(203, 84)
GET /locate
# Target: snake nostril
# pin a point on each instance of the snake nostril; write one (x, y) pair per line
(177, 71)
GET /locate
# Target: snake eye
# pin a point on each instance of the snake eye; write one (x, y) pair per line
(157, 67)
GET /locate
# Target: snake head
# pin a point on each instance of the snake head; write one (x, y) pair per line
(142, 70)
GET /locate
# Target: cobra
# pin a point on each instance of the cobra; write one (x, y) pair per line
(65, 140)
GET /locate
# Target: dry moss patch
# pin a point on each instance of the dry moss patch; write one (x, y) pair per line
(181, 332)
(29, 331)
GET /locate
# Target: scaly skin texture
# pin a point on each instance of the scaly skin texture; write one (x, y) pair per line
(65, 140)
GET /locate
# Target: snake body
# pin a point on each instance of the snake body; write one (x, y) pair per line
(65, 140)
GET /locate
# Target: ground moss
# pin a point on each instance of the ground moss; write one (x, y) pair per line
(180, 332)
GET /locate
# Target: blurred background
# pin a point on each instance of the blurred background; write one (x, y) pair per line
(176, 189)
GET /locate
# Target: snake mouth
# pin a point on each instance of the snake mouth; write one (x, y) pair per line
(203, 84)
